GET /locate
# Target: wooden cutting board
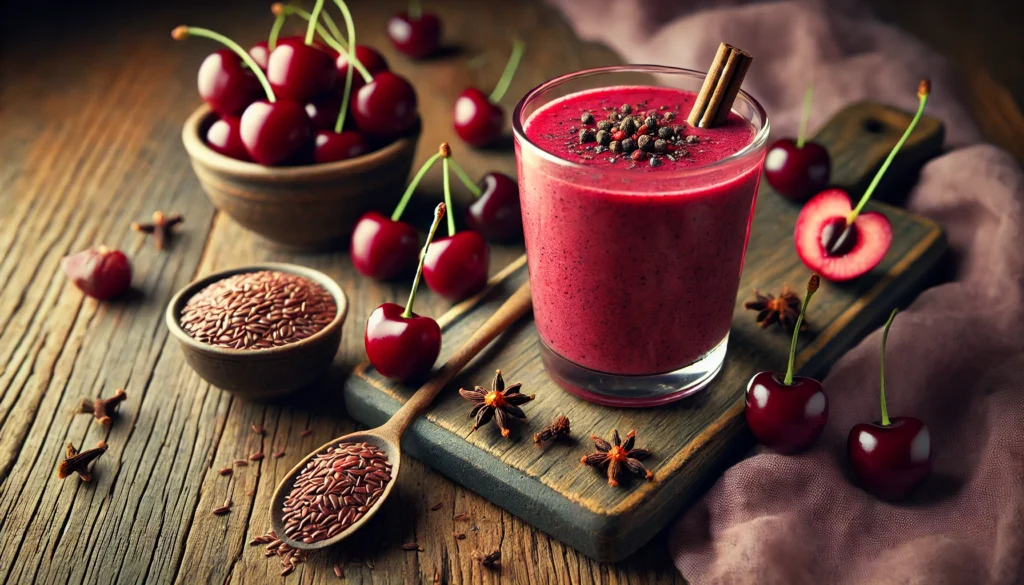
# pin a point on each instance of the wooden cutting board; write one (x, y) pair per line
(692, 440)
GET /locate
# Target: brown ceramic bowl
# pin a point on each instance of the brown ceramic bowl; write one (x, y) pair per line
(261, 373)
(311, 207)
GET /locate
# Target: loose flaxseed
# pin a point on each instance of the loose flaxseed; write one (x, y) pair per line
(275, 546)
(257, 456)
(258, 310)
(241, 462)
(437, 506)
(225, 471)
(334, 491)
(306, 433)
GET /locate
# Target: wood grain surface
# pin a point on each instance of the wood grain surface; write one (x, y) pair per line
(92, 99)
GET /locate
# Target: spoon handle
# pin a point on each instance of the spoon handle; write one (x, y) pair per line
(508, 313)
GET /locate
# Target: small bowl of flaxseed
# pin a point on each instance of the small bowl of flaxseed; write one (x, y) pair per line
(259, 331)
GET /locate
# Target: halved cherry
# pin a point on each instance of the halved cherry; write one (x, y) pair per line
(836, 239)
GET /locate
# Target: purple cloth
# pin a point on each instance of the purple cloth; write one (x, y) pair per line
(955, 356)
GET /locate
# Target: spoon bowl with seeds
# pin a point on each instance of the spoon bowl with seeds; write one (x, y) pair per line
(332, 492)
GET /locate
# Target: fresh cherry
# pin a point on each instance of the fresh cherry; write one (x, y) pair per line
(224, 136)
(226, 85)
(787, 413)
(415, 33)
(323, 111)
(839, 241)
(99, 272)
(372, 62)
(798, 169)
(382, 247)
(273, 131)
(891, 458)
(333, 146)
(400, 344)
(386, 106)
(260, 53)
(456, 266)
(495, 213)
(478, 119)
(299, 72)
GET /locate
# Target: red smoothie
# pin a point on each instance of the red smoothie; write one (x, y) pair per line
(634, 264)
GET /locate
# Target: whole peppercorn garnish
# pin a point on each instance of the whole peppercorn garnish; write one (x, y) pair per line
(655, 161)
(619, 458)
(498, 402)
(692, 139)
(614, 116)
(626, 109)
(651, 122)
(628, 145)
(604, 125)
(682, 152)
(615, 146)
(665, 132)
(669, 116)
(660, 145)
(643, 142)
(678, 131)
(603, 137)
(628, 126)
(641, 130)
(638, 154)
(587, 118)
(586, 135)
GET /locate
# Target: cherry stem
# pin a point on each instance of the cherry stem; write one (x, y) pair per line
(448, 197)
(275, 31)
(340, 123)
(922, 94)
(805, 117)
(415, 10)
(510, 70)
(397, 214)
(351, 27)
(461, 174)
(438, 212)
(334, 39)
(812, 287)
(885, 337)
(182, 32)
(313, 20)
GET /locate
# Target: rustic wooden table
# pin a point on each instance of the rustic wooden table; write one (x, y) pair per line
(92, 107)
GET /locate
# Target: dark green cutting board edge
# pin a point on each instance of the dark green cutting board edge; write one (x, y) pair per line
(692, 440)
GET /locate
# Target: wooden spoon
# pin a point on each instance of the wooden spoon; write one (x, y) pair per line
(388, 436)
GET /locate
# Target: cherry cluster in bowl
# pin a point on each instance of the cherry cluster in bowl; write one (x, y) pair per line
(301, 99)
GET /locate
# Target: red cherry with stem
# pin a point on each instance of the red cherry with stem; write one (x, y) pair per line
(224, 136)
(399, 343)
(456, 266)
(225, 84)
(386, 106)
(838, 241)
(272, 130)
(323, 111)
(798, 169)
(339, 145)
(300, 72)
(99, 272)
(415, 33)
(787, 413)
(891, 458)
(495, 213)
(478, 119)
(331, 35)
(370, 60)
(382, 247)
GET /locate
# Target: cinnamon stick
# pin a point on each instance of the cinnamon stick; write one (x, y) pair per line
(722, 84)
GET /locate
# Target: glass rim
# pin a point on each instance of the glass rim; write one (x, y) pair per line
(759, 140)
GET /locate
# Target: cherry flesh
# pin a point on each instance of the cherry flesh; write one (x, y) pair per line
(825, 244)
(399, 347)
(382, 248)
(275, 132)
(224, 136)
(477, 120)
(329, 146)
(226, 84)
(99, 272)
(300, 72)
(786, 418)
(797, 172)
(419, 37)
(496, 213)
(385, 107)
(890, 461)
(456, 266)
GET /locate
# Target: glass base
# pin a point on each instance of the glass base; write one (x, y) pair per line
(633, 391)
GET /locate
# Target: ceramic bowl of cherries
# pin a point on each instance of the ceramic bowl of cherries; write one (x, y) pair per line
(299, 136)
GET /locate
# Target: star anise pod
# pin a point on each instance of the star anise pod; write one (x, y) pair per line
(499, 402)
(783, 309)
(620, 457)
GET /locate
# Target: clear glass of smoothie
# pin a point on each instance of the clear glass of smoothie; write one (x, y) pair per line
(634, 265)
